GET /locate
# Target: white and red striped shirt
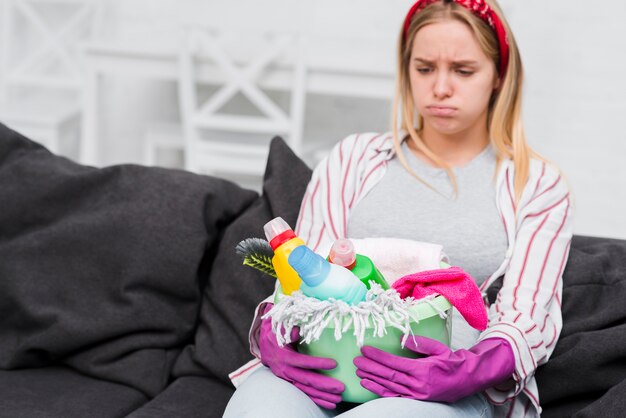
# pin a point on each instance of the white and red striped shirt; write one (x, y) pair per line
(527, 311)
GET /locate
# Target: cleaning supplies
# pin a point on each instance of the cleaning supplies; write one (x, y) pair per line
(323, 280)
(283, 240)
(343, 254)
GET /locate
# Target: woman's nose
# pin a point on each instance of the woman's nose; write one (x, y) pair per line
(443, 85)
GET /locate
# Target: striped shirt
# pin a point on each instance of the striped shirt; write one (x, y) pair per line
(527, 310)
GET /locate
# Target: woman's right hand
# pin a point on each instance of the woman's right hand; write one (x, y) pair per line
(299, 369)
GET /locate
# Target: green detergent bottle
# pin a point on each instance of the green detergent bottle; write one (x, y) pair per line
(343, 253)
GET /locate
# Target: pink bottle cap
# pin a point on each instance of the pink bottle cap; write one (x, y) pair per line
(342, 253)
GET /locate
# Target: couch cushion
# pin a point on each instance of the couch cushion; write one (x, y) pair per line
(233, 291)
(53, 392)
(588, 360)
(102, 269)
(188, 397)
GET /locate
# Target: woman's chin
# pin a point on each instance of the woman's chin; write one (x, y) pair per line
(444, 126)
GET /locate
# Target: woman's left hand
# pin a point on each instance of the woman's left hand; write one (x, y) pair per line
(442, 375)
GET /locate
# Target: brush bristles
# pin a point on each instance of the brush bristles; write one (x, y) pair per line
(254, 246)
(257, 253)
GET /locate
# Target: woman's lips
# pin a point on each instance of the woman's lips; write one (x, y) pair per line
(444, 111)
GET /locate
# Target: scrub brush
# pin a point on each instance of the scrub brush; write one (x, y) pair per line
(257, 253)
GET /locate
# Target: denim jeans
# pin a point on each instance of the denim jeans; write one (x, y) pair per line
(265, 395)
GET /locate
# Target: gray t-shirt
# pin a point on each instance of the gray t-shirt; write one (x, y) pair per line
(468, 226)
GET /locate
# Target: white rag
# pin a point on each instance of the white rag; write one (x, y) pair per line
(397, 257)
(380, 309)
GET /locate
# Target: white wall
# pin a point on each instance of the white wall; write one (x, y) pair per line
(575, 106)
(574, 53)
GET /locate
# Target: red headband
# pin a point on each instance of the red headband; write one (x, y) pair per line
(481, 9)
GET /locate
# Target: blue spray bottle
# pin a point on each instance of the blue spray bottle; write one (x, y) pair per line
(323, 280)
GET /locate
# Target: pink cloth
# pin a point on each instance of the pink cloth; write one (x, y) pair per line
(452, 283)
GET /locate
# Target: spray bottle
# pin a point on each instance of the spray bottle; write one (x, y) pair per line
(283, 240)
(343, 253)
(323, 280)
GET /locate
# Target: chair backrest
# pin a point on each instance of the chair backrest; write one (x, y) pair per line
(256, 68)
(40, 43)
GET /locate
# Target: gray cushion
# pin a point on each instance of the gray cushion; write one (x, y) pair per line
(54, 392)
(586, 373)
(188, 397)
(233, 291)
(103, 269)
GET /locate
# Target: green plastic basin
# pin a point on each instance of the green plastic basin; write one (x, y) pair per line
(345, 350)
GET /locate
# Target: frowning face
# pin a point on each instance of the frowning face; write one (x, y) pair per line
(452, 79)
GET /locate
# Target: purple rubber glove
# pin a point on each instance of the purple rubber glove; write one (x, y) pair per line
(443, 375)
(299, 369)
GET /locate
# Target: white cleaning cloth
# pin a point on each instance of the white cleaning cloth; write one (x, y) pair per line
(381, 309)
(397, 257)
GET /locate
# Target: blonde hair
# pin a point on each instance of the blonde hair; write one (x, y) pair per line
(504, 119)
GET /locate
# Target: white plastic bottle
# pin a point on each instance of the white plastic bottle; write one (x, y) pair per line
(323, 280)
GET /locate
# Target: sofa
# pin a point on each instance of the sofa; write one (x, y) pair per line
(121, 294)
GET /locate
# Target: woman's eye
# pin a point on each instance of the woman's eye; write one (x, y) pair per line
(423, 70)
(465, 72)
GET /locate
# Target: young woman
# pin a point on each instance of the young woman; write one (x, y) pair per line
(456, 170)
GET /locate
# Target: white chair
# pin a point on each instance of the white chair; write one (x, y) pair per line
(41, 71)
(257, 68)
